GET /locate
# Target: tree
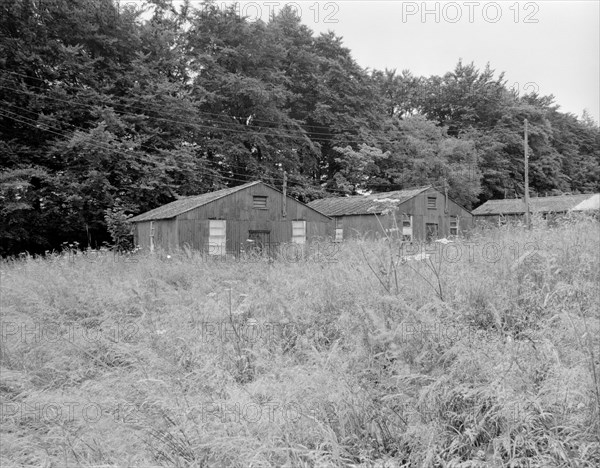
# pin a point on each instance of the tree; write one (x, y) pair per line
(103, 106)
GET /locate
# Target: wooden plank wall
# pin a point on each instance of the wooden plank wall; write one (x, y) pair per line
(417, 206)
(241, 218)
(497, 220)
(368, 226)
(192, 227)
(141, 234)
(165, 234)
(193, 232)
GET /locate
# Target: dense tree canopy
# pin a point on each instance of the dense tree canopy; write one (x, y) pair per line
(105, 106)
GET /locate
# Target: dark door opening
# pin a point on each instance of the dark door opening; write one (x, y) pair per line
(431, 232)
(259, 242)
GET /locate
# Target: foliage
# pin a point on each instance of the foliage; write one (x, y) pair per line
(182, 360)
(102, 102)
(120, 228)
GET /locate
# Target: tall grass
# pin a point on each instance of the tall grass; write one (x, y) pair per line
(318, 363)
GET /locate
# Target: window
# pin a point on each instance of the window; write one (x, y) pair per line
(454, 225)
(431, 203)
(216, 237)
(299, 232)
(259, 202)
(407, 230)
(151, 236)
(339, 230)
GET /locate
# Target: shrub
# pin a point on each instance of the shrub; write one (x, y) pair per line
(119, 227)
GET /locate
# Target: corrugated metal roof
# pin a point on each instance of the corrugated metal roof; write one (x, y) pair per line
(170, 210)
(362, 204)
(558, 204)
(592, 203)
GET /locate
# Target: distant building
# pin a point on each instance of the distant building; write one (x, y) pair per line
(253, 216)
(500, 211)
(418, 214)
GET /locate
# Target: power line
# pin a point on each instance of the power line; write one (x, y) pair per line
(299, 123)
(245, 131)
(271, 176)
(302, 134)
(126, 114)
(65, 135)
(34, 124)
(85, 130)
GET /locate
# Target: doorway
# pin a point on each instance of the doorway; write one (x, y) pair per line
(431, 232)
(259, 242)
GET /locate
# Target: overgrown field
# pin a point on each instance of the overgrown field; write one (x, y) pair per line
(484, 354)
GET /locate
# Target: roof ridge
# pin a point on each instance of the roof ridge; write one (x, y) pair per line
(214, 195)
(553, 203)
(185, 204)
(549, 197)
(364, 204)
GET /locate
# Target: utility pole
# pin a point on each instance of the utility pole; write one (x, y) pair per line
(526, 149)
(445, 195)
(284, 200)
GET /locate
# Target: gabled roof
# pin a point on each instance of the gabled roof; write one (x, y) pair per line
(170, 210)
(557, 204)
(592, 203)
(363, 204)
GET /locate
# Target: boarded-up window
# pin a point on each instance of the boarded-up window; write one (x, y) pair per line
(339, 230)
(216, 237)
(151, 236)
(431, 203)
(454, 225)
(407, 227)
(259, 202)
(299, 232)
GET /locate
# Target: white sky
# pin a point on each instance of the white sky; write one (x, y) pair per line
(559, 54)
(549, 46)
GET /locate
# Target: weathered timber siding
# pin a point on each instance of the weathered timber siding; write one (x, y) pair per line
(423, 215)
(193, 233)
(237, 209)
(369, 226)
(165, 233)
(191, 228)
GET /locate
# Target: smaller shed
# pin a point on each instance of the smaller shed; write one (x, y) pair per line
(418, 214)
(501, 211)
(250, 216)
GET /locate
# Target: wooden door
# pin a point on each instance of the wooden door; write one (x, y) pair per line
(431, 232)
(259, 241)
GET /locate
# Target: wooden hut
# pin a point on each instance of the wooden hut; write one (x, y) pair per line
(250, 216)
(417, 214)
(513, 210)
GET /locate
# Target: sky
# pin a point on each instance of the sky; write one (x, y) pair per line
(552, 47)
